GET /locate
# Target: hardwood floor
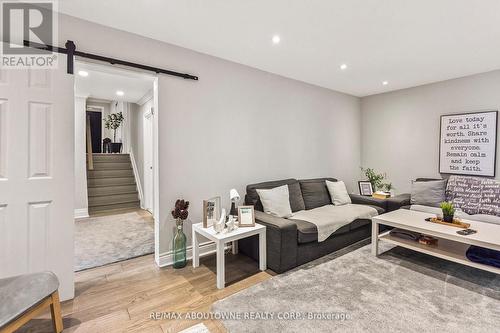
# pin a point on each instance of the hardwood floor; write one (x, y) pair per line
(121, 297)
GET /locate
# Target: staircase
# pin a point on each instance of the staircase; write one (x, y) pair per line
(111, 183)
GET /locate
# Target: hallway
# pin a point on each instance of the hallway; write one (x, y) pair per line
(113, 236)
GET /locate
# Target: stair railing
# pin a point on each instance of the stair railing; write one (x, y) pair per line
(90, 156)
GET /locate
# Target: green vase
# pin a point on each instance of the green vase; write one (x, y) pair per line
(179, 246)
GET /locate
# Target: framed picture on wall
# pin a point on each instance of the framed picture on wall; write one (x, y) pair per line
(468, 143)
(365, 188)
(211, 211)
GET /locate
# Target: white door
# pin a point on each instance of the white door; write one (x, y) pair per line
(37, 173)
(148, 160)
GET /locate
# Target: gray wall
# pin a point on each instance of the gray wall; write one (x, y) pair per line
(236, 125)
(400, 130)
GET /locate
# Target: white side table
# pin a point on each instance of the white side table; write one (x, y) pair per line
(221, 239)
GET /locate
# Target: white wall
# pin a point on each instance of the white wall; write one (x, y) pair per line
(81, 200)
(235, 126)
(400, 130)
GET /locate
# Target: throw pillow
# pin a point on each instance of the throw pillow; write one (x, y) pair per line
(338, 193)
(430, 193)
(276, 201)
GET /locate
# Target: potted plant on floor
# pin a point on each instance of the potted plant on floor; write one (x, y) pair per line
(180, 213)
(113, 121)
(448, 211)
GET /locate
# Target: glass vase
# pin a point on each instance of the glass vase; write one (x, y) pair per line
(179, 246)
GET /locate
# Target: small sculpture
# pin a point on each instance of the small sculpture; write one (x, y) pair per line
(220, 225)
(231, 223)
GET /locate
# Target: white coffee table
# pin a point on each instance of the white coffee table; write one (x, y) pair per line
(220, 241)
(451, 246)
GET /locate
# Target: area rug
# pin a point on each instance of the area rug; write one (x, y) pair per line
(399, 291)
(107, 239)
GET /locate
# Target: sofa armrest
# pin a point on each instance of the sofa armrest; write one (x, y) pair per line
(398, 201)
(281, 239)
(281, 242)
(365, 200)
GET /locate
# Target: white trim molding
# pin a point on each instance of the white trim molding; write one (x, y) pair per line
(206, 248)
(147, 96)
(81, 213)
(137, 178)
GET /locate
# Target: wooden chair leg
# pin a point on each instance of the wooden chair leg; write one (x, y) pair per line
(55, 309)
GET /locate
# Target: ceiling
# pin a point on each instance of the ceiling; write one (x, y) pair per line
(103, 82)
(404, 42)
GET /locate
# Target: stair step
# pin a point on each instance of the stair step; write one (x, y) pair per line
(98, 182)
(112, 166)
(97, 209)
(109, 173)
(113, 199)
(110, 190)
(110, 158)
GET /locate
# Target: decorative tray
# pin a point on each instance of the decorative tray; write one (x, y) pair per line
(456, 222)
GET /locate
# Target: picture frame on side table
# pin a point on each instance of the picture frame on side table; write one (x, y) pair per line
(365, 188)
(211, 211)
(246, 216)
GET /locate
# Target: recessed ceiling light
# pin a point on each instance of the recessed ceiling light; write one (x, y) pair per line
(385, 83)
(343, 66)
(276, 39)
(120, 93)
(83, 73)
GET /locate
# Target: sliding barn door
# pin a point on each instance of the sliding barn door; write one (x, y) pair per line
(37, 173)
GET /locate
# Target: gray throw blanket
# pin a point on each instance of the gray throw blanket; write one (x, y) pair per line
(330, 218)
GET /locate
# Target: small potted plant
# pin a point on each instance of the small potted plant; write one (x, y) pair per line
(180, 213)
(113, 121)
(448, 211)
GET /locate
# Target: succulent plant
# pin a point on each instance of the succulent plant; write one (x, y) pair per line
(447, 208)
(180, 210)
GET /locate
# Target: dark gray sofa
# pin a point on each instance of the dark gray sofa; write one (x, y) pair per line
(291, 243)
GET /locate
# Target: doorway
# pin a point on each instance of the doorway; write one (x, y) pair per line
(119, 187)
(94, 119)
(148, 160)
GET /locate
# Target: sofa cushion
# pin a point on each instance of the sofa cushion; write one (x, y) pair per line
(437, 211)
(379, 209)
(359, 223)
(485, 218)
(465, 193)
(296, 201)
(338, 193)
(329, 218)
(428, 193)
(276, 201)
(308, 232)
(315, 193)
(490, 197)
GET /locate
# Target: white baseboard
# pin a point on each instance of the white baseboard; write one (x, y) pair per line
(166, 259)
(81, 213)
